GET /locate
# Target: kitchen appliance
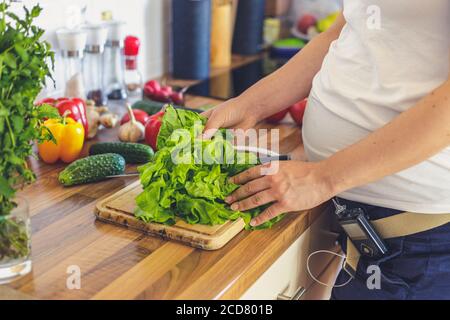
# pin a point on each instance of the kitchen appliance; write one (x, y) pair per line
(93, 63)
(114, 61)
(71, 45)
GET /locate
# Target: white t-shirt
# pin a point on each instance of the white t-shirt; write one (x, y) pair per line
(373, 72)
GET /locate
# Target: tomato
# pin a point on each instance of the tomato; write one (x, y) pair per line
(140, 115)
(277, 117)
(298, 110)
(152, 129)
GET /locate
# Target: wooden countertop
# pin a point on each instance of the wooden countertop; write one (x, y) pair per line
(118, 263)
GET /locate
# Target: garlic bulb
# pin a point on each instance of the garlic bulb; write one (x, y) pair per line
(132, 131)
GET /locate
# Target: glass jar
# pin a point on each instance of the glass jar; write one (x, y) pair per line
(93, 63)
(15, 242)
(72, 43)
(114, 62)
(133, 78)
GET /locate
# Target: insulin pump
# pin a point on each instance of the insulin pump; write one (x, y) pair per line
(356, 224)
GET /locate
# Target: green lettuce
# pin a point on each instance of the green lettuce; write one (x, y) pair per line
(193, 189)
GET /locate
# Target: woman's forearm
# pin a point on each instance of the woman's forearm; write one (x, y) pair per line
(412, 137)
(293, 81)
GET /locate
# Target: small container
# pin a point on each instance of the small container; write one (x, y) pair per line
(191, 36)
(248, 31)
(133, 78)
(15, 242)
(93, 63)
(72, 44)
(221, 33)
(114, 61)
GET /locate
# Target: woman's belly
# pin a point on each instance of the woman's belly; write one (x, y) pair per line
(424, 188)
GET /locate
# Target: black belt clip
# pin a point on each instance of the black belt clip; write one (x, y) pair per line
(356, 224)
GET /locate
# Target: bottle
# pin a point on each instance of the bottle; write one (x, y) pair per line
(114, 61)
(72, 44)
(133, 78)
(93, 63)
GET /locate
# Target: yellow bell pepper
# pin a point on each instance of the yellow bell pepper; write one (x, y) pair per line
(69, 136)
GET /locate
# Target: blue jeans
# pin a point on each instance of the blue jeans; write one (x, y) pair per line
(416, 267)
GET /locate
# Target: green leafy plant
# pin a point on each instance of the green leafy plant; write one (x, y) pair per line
(24, 59)
(192, 188)
(25, 62)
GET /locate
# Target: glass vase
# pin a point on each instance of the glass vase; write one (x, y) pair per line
(15, 242)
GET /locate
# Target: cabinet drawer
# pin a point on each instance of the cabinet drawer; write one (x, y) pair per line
(282, 275)
(318, 291)
(289, 272)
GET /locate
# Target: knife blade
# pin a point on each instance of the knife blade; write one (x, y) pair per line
(281, 157)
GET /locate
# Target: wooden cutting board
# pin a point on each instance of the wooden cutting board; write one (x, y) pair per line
(119, 207)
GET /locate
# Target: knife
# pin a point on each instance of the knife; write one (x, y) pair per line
(282, 157)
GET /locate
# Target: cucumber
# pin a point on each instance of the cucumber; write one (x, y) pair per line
(92, 168)
(149, 106)
(152, 107)
(132, 152)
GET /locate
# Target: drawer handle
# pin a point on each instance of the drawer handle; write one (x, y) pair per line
(296, 296)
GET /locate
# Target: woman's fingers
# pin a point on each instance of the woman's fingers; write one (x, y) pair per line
(248, 189)
(271, 212)
(214, 122)
(248, 175)
(254, 201)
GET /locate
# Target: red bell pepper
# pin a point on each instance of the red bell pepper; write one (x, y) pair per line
(152, 129)
(76, 106)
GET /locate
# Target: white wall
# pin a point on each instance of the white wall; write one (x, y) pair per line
(147, 19)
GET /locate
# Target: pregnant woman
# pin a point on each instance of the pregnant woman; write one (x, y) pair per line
(376, 134)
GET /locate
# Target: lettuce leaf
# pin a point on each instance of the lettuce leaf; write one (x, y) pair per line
(192, 190)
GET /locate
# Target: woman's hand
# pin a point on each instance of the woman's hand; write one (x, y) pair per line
(295, 186)
(232, 114)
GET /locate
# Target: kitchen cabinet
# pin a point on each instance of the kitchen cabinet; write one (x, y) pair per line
(288, 276)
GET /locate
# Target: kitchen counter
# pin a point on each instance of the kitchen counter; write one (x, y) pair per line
(118, 263)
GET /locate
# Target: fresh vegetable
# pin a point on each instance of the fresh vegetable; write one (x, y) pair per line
(109, 120)
(191, 188)
(305, 22)
(152, 107)
(68, 140)
(98, 115)
(14, 239)
(298, 110)
(149, 106)
(154, 91)
(152, 128)
(92, 169)
(131, 131)
(326, 23)
(76, 106)
(177, 98)
(25, 62)
(132, 152)
(277, 117)
(139, 115)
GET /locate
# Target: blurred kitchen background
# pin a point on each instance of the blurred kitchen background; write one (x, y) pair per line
(186, 38)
